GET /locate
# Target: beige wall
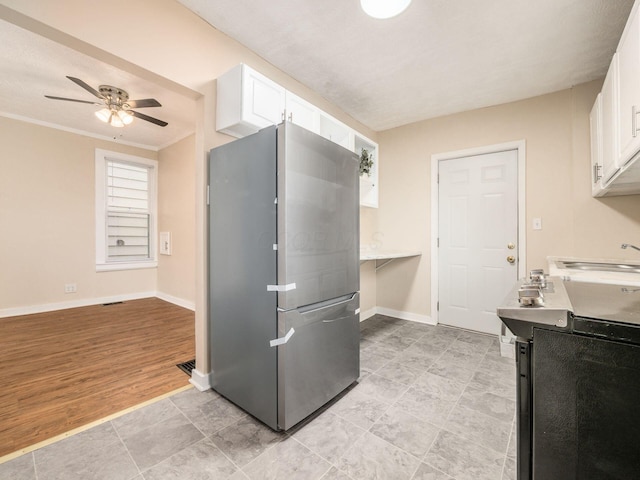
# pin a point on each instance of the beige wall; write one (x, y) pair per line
(176, 45)
(47, 219)
(555, 128)
(176, 214)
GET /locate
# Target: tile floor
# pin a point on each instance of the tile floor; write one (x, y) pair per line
(432, 403)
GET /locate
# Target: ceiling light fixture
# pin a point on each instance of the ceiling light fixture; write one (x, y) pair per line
(116, 113)
(384, 8)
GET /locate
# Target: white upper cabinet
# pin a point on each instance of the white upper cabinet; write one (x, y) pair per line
(302, 113)
(610, 151)
(368, 181)
(595, 122)
(336, 131)
(629, 89)
(615, 130)
(247, 101)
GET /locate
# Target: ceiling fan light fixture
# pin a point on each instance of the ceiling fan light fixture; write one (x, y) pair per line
(125, 116)
(116, 121)
(104, 114)
(383, 9)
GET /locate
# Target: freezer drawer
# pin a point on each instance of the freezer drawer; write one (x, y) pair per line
(320, 359)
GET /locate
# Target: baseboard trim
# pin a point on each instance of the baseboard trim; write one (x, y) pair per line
(85, 302)
(202, 381)
(367, 314)
(176, 301)
(413, 317)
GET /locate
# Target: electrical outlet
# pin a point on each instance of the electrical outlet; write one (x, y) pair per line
(70, 288)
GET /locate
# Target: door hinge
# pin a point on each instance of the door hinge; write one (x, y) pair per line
(207, 194)
(438, 178)
(438, 306)
(438, 242)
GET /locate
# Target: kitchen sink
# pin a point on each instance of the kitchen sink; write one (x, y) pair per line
(599, 266)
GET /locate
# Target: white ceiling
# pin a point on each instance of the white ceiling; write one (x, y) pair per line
(438, 57)
(32, 66)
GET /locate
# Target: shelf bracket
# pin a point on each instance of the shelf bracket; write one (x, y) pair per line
(387, 262)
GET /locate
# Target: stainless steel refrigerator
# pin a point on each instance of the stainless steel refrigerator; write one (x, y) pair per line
(283, 272)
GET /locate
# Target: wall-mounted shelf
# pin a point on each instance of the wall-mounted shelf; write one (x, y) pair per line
(386, 257)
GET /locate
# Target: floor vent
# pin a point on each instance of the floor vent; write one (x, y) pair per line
(186, 367)
(111, 303)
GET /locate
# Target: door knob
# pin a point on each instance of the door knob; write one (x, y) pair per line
(511, 259)
(511, 246)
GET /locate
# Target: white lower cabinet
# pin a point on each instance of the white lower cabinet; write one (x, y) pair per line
(247, 101)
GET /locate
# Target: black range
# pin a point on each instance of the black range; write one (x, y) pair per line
(578, 359)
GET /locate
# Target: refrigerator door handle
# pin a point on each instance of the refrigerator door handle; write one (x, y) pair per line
(325, 305)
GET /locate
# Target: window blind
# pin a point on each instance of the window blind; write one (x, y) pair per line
(128, 215)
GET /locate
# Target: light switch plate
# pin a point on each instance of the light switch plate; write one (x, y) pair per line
(165, 243)
(537, 224)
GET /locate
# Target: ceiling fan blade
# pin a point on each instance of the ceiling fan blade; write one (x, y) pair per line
(142, 116)
(144, 103)
(72, 100)
(88, 88)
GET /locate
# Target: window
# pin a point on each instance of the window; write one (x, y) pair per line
(125, 211)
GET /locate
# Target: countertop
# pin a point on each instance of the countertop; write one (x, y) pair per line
(576, 275)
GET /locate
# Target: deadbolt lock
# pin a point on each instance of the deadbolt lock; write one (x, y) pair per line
(511, 259)
(511, 246)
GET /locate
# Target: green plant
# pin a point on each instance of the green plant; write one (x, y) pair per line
(366, 162)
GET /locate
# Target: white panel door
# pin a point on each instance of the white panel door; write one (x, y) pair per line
(478, 232)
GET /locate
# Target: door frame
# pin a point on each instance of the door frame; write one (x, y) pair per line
(518, 145)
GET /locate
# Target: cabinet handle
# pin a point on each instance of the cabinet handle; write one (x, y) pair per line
(596, 172)
(284, 114)
(291, 117)
(634, 121)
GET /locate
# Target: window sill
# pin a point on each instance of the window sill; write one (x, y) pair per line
(110, 267)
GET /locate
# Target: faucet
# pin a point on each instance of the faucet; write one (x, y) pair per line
(625, 245)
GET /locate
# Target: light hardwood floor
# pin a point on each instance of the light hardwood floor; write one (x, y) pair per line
(62, 370)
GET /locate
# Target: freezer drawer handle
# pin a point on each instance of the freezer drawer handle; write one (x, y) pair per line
(282, 340)
(281, 288)
(304, 310)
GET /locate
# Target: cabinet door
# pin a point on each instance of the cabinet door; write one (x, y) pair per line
(302, 113)
(610, 148)
(629, 82)
(263, 100)
(595, 120)
(336, 131)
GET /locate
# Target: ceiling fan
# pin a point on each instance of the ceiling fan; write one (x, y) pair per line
(117, 108)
